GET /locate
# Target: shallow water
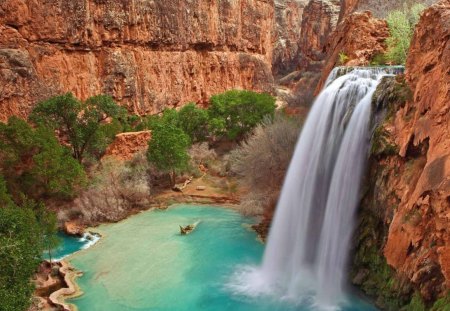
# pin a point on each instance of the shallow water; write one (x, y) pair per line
(143, 263)
(70, 244)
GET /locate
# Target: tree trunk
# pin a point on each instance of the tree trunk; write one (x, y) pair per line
(172, 179)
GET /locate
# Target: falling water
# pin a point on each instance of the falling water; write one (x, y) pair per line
(310, 238)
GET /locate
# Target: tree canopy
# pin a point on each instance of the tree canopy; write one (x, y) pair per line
(167, 149)
(84, 124)
(234, 113)
(24, 234)
(35, 164)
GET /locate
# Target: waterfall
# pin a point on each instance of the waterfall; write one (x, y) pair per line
(310, 237)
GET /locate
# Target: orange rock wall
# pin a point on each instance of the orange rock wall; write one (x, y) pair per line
(126, 145)
(360, 36)
(147, 54)
(415, 247)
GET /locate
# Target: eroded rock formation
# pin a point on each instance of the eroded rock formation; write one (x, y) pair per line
(126, 145)
(419, 247)
(147, 54)
(287, 35)
(359, 37)
(404, 234)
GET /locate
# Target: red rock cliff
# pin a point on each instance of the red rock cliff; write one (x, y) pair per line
(147, 54)
(417, 248)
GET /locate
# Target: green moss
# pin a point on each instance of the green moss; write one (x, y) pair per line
(442, 304)
(382, 143)
(378, 59)
(416, 304)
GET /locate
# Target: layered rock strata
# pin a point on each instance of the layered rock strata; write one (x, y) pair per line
(147, 54)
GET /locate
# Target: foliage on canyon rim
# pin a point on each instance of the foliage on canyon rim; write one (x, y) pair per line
(262, 161)
(35, 164)
(401, 28)
(83, 124)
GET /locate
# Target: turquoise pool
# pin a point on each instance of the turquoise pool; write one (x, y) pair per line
(143, 263)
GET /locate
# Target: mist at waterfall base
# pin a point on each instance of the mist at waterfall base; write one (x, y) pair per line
(306, 256)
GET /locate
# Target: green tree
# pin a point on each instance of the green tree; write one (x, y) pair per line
(401, 29)
(21, 246)
(194, 122)
(167, 149)
(235, 113)
(82, 123)
(35, 164)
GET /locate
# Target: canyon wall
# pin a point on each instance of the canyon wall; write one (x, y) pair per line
(147, 54)
(403, 240)
(287, 34)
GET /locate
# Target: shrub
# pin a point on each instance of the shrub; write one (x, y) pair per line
(401, 29)
(35, 164)
(201, 154)
(116, 188)
(82, 123)
(262, 160)
(234, 113)
(343, 58)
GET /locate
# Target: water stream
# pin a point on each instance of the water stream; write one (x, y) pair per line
(307, 251)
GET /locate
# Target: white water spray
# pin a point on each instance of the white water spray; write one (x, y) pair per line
(310, 237)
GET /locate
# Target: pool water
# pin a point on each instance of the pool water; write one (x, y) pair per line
(143, 263)
(70, 244)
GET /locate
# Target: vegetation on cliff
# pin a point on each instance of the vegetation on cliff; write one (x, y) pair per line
(401, 29)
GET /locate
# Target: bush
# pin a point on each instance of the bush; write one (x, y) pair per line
(343, 58)
(201, 154)
(262, 160)
(234, 113)
(401, 28)
(35, 164)
(116, 188)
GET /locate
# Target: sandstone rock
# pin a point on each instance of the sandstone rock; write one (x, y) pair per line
(287, 35)
(126, 145)
(73, 228)
(320, 20)
(360, 36)
(419, 248)
(147, 54)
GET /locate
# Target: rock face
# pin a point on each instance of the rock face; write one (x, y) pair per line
(126, 145)
(320, 20)
(404, 235)
(287, 35)
(147, 54)
(360, 37)
(418, 247)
